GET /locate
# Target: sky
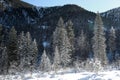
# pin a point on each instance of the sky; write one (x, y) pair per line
(91, 5)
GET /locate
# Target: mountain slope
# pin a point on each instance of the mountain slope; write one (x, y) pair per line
(14, 3)
(113, 15)
(42, 21)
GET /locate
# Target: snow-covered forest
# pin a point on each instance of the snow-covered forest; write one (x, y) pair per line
(70, 57)
(58, 43)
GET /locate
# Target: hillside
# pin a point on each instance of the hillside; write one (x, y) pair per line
(113, 15)
(42, 21)
(57, 43)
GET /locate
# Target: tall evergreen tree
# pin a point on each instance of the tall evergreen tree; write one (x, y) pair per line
(22, 51)
(31, 48)
(61, 40)
(34, 53)
(3, 60)
(112, 42)
(56, 34)
(45, 64)
(70, 33)
(57, 60)
(1, 36)
(99, 46)
(12, 45)
(83, 45)
(28, 42)
(27, 52)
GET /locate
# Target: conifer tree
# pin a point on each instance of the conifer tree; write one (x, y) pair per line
(1, 36)
(99, 46)
(45, 64)
(27, 52)
(57, 60)
(70, 33)
(61, 40)
(22, 51)
(12, 45)
(56, 34)
(3, 60)
(34, 53)
(111, 42)
(83, 45)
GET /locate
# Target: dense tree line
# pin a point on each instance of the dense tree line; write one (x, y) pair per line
(19, 52)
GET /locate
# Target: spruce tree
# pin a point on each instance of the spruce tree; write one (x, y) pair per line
(3, 60)
(27, 52)
(45, 64)
(22, 51)
(56, 34)
(12, 45)
(34, 53)
(57, 60)
(99, 46)
(1, 36)
(83, 45)
(28, 56)
(111, 42)
(61, 40)
(70, 33)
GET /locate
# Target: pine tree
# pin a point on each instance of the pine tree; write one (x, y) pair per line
(28, 56)
(1, 36)
(111, 42)
(27, 52)
(56, 34)
(57, 60)
(34, 53)
(12, 45)
(45, 64)
(31, 48)
(22, 51)
(99, 46)
(3, 60)
(61, 40)
(6, 37)
(70, 33)
(83, 45)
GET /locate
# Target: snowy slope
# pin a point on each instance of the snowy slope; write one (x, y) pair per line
(113, 16)
(66, 75)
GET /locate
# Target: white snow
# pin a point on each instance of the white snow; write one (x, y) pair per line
(66, 75)
(40, 11)
(44, 27)
(45, 44)
(90, 21)
(31, 20)
(24, 13)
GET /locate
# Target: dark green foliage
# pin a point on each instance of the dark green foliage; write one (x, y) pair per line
(70, 33)
(112, 42)
(27, 51)
(1, 34)
(3, 60)
(60, 39)
(99, 46)
(82, 46)
(12, 47)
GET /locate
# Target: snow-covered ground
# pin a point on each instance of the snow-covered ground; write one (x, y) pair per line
(66, 75)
